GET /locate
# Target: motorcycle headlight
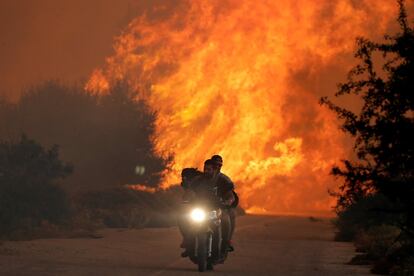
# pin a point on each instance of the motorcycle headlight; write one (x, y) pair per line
(198, 215)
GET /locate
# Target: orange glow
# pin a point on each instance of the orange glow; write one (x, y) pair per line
(141, 188)
(97, 80)
(223, 78)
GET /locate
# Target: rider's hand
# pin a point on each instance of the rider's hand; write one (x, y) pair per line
(224, 204)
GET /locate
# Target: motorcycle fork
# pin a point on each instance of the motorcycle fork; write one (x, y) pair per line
(210, 244)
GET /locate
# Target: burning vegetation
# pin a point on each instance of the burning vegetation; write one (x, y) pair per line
(243, 79)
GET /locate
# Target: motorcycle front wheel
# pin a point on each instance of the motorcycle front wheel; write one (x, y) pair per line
(202, 254)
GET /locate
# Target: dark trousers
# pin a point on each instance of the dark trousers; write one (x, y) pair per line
(226, 227)
(232, 215)
(183, 223)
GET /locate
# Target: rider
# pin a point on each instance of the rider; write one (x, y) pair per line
(207, 186)
(187, 177)
(223, 179)
(225, 191)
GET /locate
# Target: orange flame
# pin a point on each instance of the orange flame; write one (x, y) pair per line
(226, 77)
(141, 188)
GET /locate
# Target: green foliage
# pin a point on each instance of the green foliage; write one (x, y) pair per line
(383, 130)
(406, 267)
(29, 193)
(376, 200)
(105, 136)
(368, 212)
(378, 241)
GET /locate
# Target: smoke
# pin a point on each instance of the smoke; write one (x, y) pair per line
(42, 40)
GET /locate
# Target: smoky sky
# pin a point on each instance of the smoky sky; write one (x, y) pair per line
(60, 40)
(65, 40)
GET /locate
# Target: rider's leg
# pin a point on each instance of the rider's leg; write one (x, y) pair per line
(183, 230)
(225, 228)
(232, 216)
(183, 226)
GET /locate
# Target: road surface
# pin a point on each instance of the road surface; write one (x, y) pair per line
(265, 245)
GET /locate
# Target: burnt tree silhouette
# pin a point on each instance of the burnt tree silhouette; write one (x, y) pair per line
(383, 130)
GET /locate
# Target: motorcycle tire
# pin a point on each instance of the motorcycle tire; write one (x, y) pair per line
(216, 246)
(202, 254)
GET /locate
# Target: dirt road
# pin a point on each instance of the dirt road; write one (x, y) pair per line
(264, 246)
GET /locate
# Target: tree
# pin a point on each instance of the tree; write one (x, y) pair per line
(29, 193)
(383, 130)
(105, 137)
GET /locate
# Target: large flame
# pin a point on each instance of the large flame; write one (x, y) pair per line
(226, 77)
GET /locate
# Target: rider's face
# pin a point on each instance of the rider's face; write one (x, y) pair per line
(209, 170)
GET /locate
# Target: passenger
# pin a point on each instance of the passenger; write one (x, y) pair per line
(187, 177)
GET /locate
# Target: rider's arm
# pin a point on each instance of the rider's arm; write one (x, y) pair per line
(228, 187)
(229, 198)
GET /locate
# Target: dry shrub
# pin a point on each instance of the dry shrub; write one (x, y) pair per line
(379, 245)
(378, 241)
(123, 208)
(406, 268)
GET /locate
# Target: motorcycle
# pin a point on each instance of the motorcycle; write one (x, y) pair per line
(205, 248)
